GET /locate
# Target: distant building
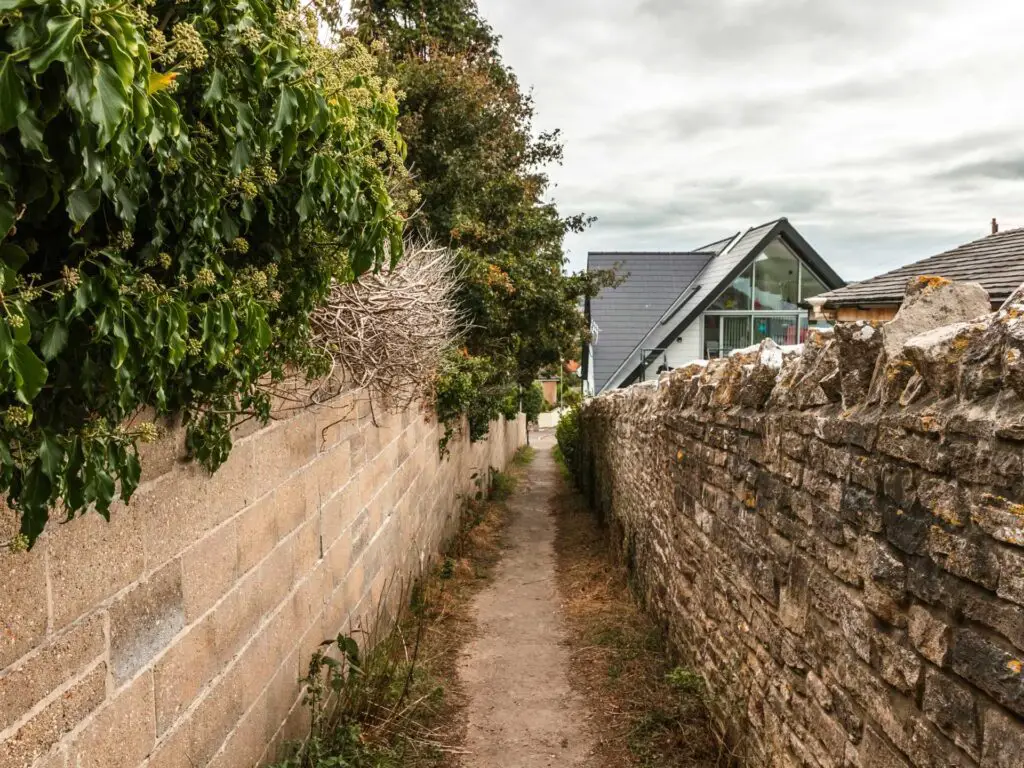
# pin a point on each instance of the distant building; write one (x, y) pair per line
(996, 261)
(677, 307)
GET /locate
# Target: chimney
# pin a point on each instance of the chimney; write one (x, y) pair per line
(995, 227)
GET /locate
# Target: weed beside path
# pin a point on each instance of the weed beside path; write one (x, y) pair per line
(649, 713)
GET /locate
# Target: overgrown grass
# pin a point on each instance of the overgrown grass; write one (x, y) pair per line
(503, 485)
(649, 712)
(524, 456)
(392, 700)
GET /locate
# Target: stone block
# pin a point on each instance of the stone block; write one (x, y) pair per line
(144, 620)
(874, 752)
(929, 634)
(1005, 618)
(951, 706)
(35, 737)
(183, 672)
(122, 733)
(198, 737)
(257, 533)
(1004, 740)
(900, 666)
(208, 570)
(62, 658)
(284, 449)
(336, 421)
(91, 559)
(237, 618)
(964, 556)
(999, 517)
(247, 741)
(990, 667)
(179, 508)
(1011, 576)
(22, 598)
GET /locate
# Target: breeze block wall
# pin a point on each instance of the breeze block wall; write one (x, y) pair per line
(834, 535)
(174, 636)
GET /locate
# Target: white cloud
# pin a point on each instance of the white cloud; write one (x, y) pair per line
(886, 131)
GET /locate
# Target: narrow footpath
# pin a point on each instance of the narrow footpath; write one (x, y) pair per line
(522, 710)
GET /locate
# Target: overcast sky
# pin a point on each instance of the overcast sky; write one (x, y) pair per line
(885, 130)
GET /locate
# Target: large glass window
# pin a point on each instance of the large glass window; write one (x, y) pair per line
(762, 303)
(737, 295)
(782, 329)
(735, 332)
(776, 278)
(810, 286)
(712, 336)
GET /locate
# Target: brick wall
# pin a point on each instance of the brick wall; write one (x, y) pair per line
(174, 636)
(835, 539)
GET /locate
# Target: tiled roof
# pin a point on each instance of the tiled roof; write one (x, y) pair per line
(624, 314)
(997, 262)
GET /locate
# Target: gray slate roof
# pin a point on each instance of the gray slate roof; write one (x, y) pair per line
(625, 313)
(996, 261)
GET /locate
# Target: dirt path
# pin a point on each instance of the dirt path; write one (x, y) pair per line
(522, 711)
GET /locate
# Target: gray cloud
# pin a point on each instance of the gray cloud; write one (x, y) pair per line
(1007, 167)
(760, 29)
(886, 131)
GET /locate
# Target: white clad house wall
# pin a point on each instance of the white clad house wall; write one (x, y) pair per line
(684, 350)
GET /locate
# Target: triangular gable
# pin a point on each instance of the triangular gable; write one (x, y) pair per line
(716, 276)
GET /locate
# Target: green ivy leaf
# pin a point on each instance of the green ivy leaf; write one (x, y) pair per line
(6, 342)
(12, 256)
(215, 92)
(286, 105)
(122, 62)
(64, 31)
(12, 95)
(131, 473)
(121, 345)
(109, 103)
(55, 338)
(82, 204)
(30, 371)
(7, 217)
(51, 456)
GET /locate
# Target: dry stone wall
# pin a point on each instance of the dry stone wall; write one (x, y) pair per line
(834, 535)
(175, 635)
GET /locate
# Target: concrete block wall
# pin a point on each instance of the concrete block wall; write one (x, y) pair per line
(835, 539)
(174, 636)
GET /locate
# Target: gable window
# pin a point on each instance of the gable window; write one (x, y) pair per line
(776, 278)
(737, 296)
(763, 302)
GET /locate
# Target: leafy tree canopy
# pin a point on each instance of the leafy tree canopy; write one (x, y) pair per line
(479, 166)
(181, 180)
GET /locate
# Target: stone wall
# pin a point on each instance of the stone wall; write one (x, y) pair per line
(834, 535)
(174, 635)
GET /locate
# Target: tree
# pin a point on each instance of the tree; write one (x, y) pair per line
(480, 171)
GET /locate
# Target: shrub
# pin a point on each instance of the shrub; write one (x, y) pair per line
(533, 402)
(181, 183)
(568, 436)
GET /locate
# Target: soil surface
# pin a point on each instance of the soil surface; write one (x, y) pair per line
(522, 711)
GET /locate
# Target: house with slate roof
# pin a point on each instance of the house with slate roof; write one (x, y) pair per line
(996, 261)
(676, 307)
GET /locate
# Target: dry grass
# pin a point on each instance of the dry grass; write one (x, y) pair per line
(646, 711)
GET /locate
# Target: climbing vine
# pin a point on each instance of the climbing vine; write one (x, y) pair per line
(181, 182)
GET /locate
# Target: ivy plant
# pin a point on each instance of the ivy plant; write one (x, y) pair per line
(180, 182)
